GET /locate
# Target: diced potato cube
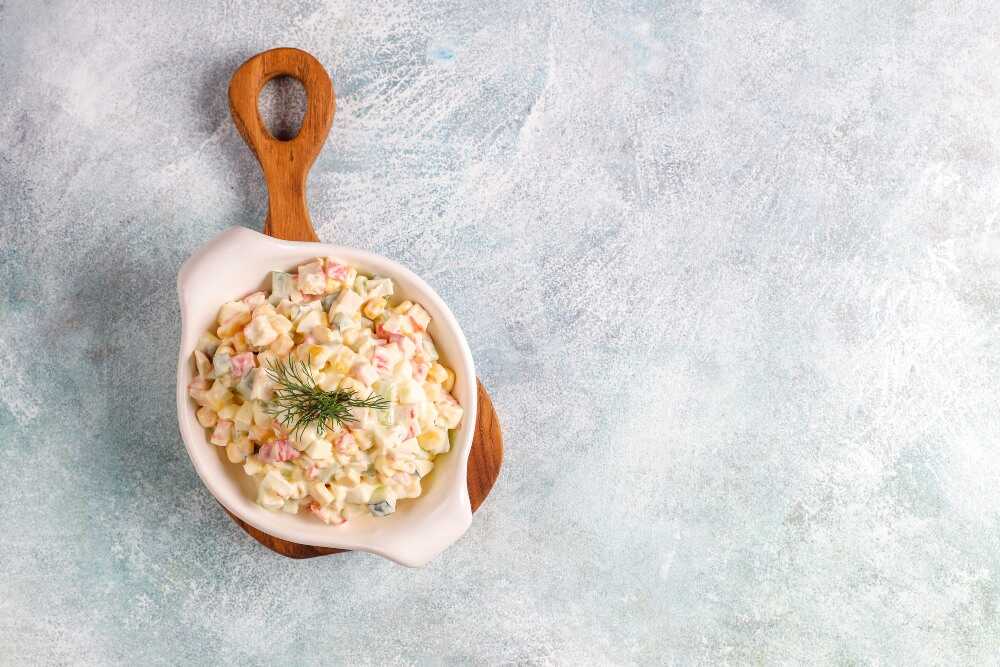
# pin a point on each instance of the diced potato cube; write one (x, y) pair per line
(320, 450)
(223, 431)
(350, 384)
(347, 303)
(282, 285)
(380, 287)
(343, 322)
(449, 414)
(202, 364)
(321, 493)
(437, 374)
(351, 337)
(373, 308)
(324, 334)
(427, 414)
(365, 347)
(235, 323)
(207, 343)
(360, 493)
(342, 273)
(319, 355)
(329, 381)
(273, 481)
(427, 348)
(364, 440)
(269, 499)
(221, 361)
(364, 373)
(255, 300)
(305, 438)
(239, 342)
(411, 392)
(207, 417)
(312, 279)
(361, 286)
(419, 317)
(386, 357)
(259, 332)
(244, 417)
(217, 396)
(282, 345)
(280, 323)
(342, 360)
(259, 433)
(307, 322)
(233, 453)
(264, 310)
(262, 388)
(408, 347)
(261, 416)
(253, 466)
(233, 309)
(433, 391)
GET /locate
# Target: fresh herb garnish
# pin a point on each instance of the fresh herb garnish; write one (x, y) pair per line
(299, 403)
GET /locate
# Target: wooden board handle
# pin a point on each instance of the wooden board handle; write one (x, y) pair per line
(285, 163)
(286, 166)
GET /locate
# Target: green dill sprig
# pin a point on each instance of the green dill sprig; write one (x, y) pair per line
(299, 403)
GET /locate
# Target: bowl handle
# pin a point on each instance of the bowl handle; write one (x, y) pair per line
(285, 163)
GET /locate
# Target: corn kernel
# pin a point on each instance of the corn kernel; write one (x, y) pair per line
(374, 307)
(403, 307)
(449, 382)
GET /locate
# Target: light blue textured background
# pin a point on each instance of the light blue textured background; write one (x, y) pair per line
(730, 270)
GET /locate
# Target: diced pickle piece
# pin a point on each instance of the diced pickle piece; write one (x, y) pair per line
(208, 343)
(381, 503)
(282, 286)
(221, 363)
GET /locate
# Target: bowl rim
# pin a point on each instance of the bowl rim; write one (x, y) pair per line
(441, 525)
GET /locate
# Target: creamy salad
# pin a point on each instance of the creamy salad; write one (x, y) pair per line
(326, 340)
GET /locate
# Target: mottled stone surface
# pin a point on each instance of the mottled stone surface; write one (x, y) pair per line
(731, 271)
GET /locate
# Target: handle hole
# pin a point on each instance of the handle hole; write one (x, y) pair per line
(282, 107)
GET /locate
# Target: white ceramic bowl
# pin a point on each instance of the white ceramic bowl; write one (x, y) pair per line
(236, 263)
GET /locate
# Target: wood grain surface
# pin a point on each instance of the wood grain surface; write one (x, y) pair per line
(286, 167)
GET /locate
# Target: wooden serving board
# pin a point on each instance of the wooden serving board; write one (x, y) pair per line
(286, 167)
